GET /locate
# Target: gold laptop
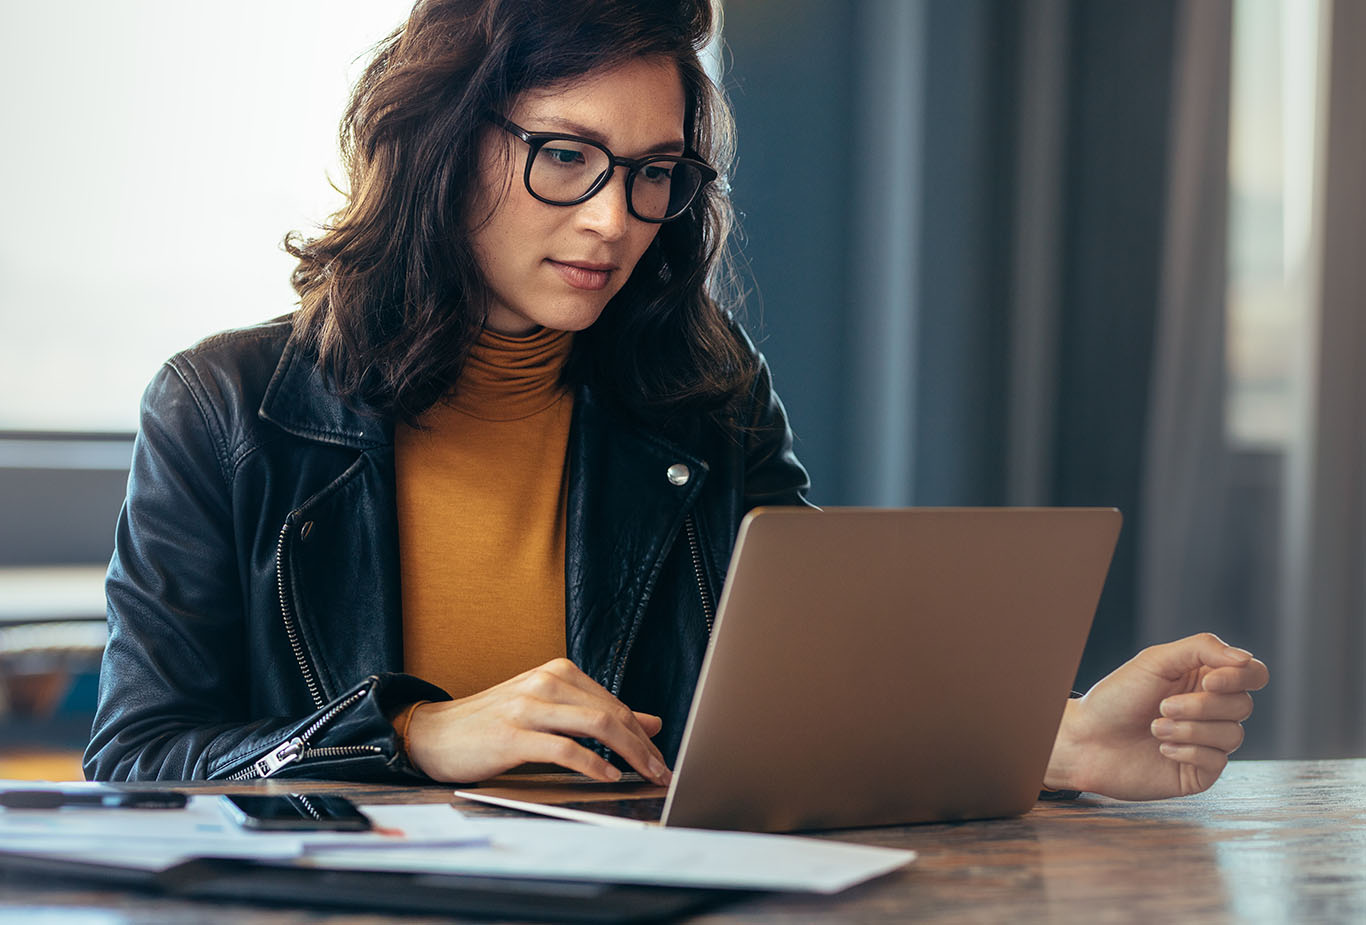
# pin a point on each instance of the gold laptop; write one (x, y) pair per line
(882, 666)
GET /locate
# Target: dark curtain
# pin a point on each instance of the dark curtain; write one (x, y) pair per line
(942, 333)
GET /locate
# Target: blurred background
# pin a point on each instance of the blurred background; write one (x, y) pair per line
(1071, 252)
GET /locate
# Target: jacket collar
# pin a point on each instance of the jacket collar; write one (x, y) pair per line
(299, 400)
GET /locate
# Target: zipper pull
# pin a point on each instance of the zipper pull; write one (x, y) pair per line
(287, 753)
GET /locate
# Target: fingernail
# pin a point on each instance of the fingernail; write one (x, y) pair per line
(659, 772)
(1163, 728)
(1167, 749)
(1170, 707)
(613, 772)
(1241, 654)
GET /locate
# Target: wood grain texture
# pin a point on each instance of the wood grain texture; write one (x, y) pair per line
(1274, 841)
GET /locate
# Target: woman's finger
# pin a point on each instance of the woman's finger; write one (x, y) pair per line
(1206, 706)
(614, 727)
(551, 684)
(1225, 736)
(573, 675)
(1250, 677)
(1200, 766)
(548, 748)
(649, 722)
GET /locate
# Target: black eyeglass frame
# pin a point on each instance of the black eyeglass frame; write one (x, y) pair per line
(537, 140)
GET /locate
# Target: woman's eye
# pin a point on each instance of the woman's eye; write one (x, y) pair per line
(656, 173)
(567, 156)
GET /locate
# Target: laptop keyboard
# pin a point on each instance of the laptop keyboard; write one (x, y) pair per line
(647, 809)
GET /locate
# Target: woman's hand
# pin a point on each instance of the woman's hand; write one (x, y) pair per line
(1163, 724)
(532, 718)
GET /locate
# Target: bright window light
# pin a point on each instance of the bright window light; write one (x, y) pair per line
(156, 152)
(1274, 156)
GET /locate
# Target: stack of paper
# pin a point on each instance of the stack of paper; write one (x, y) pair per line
(436, 838)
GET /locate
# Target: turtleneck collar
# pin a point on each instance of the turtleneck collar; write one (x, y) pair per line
(506, 378)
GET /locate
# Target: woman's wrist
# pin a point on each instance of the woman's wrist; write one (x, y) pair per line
(1066, 757)
(403, 721)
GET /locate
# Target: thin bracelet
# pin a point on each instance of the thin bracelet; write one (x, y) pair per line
(405, 721)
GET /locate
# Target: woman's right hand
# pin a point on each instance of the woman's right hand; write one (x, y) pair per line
(533, 718)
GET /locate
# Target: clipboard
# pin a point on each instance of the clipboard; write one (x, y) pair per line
(283, 883)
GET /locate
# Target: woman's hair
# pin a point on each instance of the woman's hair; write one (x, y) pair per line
(391, 295)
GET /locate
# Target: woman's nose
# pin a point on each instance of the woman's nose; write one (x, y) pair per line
(606, 213)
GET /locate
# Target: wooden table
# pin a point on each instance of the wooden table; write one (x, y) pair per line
(1274, 841)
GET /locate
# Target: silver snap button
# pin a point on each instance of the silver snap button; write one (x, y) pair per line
(679, 473)
(305, 530)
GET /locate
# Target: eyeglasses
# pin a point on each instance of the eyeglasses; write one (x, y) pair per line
(565, 170)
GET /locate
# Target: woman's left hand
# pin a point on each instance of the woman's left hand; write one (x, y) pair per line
(1163, 724)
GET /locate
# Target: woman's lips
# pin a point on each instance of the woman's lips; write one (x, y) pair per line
(591, 276)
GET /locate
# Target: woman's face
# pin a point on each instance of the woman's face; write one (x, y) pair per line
(558, 266)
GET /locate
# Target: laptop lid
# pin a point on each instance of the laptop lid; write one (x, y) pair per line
(874, 667)
(883, 666)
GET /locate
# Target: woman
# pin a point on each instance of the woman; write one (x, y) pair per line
(477, 495)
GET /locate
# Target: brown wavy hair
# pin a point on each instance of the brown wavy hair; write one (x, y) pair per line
(391, 296)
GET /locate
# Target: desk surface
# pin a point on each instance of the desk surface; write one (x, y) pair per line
(1274, 841)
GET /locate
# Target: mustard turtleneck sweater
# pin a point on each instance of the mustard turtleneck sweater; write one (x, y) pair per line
(482, 487)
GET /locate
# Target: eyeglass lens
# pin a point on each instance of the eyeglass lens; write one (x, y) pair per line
(564, 170)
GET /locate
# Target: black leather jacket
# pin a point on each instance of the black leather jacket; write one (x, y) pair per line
(253, 597)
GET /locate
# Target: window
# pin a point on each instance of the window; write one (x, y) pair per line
(156, 154)
(1274, 156)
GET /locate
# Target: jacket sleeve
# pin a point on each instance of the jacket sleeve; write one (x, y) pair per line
(773, 475)
(174, 696)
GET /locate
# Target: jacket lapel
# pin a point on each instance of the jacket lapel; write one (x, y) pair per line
(342, 561)
(340, 554)
(624, 514)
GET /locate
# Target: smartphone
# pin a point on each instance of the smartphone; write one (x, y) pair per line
(295, 812)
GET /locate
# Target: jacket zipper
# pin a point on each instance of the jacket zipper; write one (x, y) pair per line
(695, 547)
(287, 614)
(296, 748)
(708, 609)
